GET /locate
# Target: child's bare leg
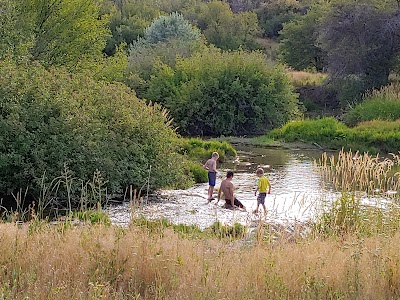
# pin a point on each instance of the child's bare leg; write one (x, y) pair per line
(265, 209)
(256, 210)
(210, 192)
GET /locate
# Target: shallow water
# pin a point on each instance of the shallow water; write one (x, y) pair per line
(297, 192)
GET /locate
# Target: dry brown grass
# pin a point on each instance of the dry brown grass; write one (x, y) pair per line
(389, 92)
(303, 78)
(97, 262)
(362, 172)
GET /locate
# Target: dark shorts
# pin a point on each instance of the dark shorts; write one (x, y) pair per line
(212, 177)
(236, 202)
(261, 198)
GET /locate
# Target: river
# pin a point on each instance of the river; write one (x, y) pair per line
(297, 194)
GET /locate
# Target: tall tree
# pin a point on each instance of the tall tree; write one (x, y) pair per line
(222, 27)
(362, 41)
(66, 31)
(299, 47)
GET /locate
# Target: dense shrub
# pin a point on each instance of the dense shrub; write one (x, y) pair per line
(222, 27)
(169, 27)
(198, 172)
(51, 121)
(199, 150)
(167, 38)
(225, 93)
(383, 104)
(349, 90)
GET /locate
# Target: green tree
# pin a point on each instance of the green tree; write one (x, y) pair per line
(222, 27)
(128, 20)
(273, 14)
(299, 47)
(167, 38)
(216, 93)
(64, 33)
(170, 27)
(15, 38)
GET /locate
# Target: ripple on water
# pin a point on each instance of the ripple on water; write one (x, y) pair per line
(297, 193)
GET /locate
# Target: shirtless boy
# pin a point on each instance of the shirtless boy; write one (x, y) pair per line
(227, 189)
(211, 167)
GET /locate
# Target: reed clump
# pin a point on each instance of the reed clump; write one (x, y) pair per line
(368, 188)
(353, 172)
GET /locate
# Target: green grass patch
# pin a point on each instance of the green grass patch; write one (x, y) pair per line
(265, 140)
(93, 217)
(373, 137)
(216, 230)
(322, 130)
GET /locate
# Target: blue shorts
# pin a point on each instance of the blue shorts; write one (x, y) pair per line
(261, 198)
(212, 178)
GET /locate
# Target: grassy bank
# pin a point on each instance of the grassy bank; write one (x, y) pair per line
(370, 136)
(99, 262)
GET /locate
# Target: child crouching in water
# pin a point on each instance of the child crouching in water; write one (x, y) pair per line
(263, 186)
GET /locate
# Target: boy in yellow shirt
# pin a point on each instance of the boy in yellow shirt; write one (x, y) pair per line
(263, 186)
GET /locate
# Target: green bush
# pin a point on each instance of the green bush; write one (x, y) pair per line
(198, 172)
(217, 93)
(51, 121)
(349, 90)
(199, 150)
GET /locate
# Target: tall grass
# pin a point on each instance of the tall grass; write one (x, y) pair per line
(369, 187)
(350, 253)
(382, 104)
(100, 262)
(303, 78)
(351, 172)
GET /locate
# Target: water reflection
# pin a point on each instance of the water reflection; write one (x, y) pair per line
(297, 192)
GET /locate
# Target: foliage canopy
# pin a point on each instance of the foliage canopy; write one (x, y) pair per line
(52, 119)
(221, 93)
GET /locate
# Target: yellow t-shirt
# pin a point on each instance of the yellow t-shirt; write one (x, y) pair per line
(263, 184)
